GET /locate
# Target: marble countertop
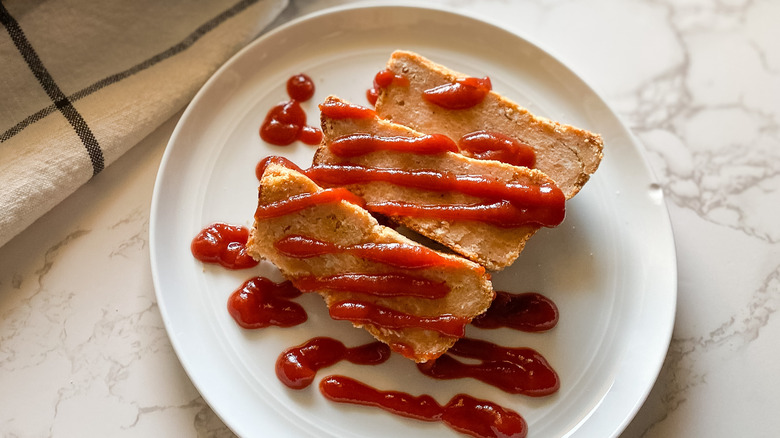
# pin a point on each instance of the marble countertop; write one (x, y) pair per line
(697, 81)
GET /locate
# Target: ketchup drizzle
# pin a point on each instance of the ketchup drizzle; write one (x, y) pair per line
(260, 303)
(486, 145)
(380, 285)
(528, 312)
(441, 181)
(223, 244)
(461, 94)
(336, 109)
(531, 204)
(301, 201)
(367, 313)
(354, 145)
(399, 255)
(296, 367)
(501, 214)
(483, 418)
(463, 413)
(286, 121)
(513, 370)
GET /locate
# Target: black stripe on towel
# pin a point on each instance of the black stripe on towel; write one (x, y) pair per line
(182, 45)
(61, 102)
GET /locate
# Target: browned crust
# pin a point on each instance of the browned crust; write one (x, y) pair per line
(566, 154)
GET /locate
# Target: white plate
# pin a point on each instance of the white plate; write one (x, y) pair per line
(610, 266)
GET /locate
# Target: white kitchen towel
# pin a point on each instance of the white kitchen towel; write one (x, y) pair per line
(82, 81)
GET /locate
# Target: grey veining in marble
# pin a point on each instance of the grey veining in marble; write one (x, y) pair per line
(83, 350)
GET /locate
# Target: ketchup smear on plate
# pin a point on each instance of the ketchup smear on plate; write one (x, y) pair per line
(286, 122)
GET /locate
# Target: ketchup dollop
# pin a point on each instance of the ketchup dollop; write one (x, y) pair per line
(487, 145)
(296, 367)
(300, 87)
(260, 303)
(223, 244)
(286, 122)
(463, 413)
(461, 94)
(513, 370)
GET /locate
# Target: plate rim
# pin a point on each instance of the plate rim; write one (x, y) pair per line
(635, 144)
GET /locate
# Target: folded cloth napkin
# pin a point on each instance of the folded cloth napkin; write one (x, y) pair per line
(82, 81)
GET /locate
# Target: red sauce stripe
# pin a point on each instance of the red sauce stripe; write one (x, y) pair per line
(462, 94)
(463, 413)
(528, 312)
(297, 366)
(336, 109)
(487, 145)
(501, 214)
(299, 202)
(399, 255)
(343, 389)
(524, 195)
(513, 370)
(383, 285)
(354, 145)
(357, 311)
